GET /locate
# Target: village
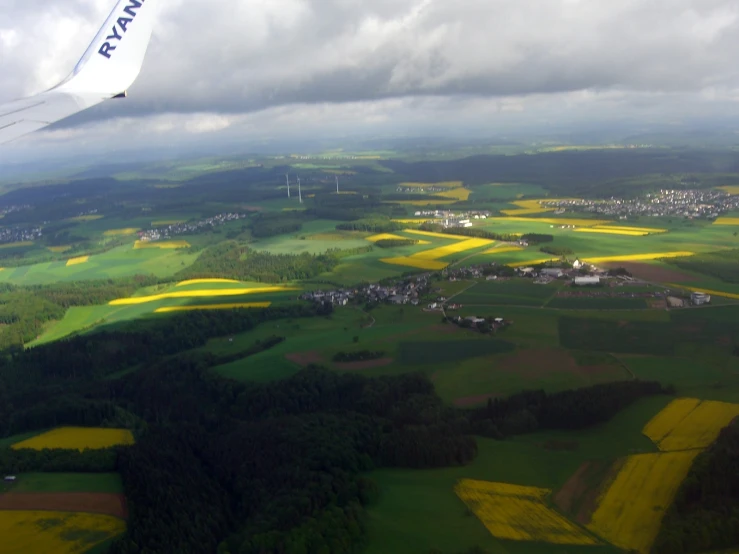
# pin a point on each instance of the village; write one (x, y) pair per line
(168, 231)
(691, 203)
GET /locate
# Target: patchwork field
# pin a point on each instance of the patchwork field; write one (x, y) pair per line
(77, 438)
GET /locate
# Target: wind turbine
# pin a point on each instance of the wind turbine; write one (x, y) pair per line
(287, 177)
(337, 184)
(300, 194)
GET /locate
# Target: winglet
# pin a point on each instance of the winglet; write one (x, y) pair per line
(114, 58)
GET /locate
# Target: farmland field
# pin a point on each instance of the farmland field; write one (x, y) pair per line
(61, 532)
(208, 347)
(574, 303)
(449, 351)
(69, 482)
(519, 513)
(630, 512)
(507, 293)
(689, 423)
(77, 438)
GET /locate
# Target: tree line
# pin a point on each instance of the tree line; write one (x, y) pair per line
(705, 513)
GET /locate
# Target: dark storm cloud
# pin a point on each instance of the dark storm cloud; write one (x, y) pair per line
(243, 55)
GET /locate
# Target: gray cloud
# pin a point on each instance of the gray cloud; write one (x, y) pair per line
(534, 58)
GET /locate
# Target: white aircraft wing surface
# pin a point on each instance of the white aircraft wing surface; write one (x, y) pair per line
(106, 70)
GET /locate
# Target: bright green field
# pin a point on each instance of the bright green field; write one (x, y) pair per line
(418, 510)
(69, 482)
(123, 261)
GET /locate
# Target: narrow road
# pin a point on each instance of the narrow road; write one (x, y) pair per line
(369, 316)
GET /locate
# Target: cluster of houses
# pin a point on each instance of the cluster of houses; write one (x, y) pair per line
(9, 236)
(406, 291)
(482, 324)
(168, 231)
(691, 203)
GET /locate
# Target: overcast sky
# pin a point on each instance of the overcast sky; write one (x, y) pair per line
(256, 70)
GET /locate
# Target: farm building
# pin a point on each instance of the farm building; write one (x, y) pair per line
(587, 281)
(475, 320)
(700, 298)
(577, 264)
(675, 302)
(552, 272)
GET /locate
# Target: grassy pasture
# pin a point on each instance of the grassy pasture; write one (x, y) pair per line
(123, 261)
(514, 292)
(69, 482)
(413, 353)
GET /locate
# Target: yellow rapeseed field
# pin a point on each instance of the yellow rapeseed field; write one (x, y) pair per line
(205, 281)
(519, 513)
(385, 236)
(25, 532)
(172, 244)
(527, 207)
(630, 512)
(121, 232)
(639, 257)
(59, 249)
(456, 248)
(444, 184)
(170, 309)
(669, 418)
(503, 250)
(77, 438)
(727, 221)
(606, 231)
(418, 263)
(554, 221)
(78, 261)
(206, 293)
(643, 229)
(689, 423)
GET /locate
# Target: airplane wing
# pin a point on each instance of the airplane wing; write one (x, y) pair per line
(106, 70)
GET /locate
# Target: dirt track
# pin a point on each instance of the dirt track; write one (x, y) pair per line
(93, 503)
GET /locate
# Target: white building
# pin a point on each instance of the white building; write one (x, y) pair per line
(700, 298)
(577, 264)
(552, 272)
(587, 281)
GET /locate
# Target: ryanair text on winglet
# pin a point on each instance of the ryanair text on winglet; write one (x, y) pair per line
(120, 28)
